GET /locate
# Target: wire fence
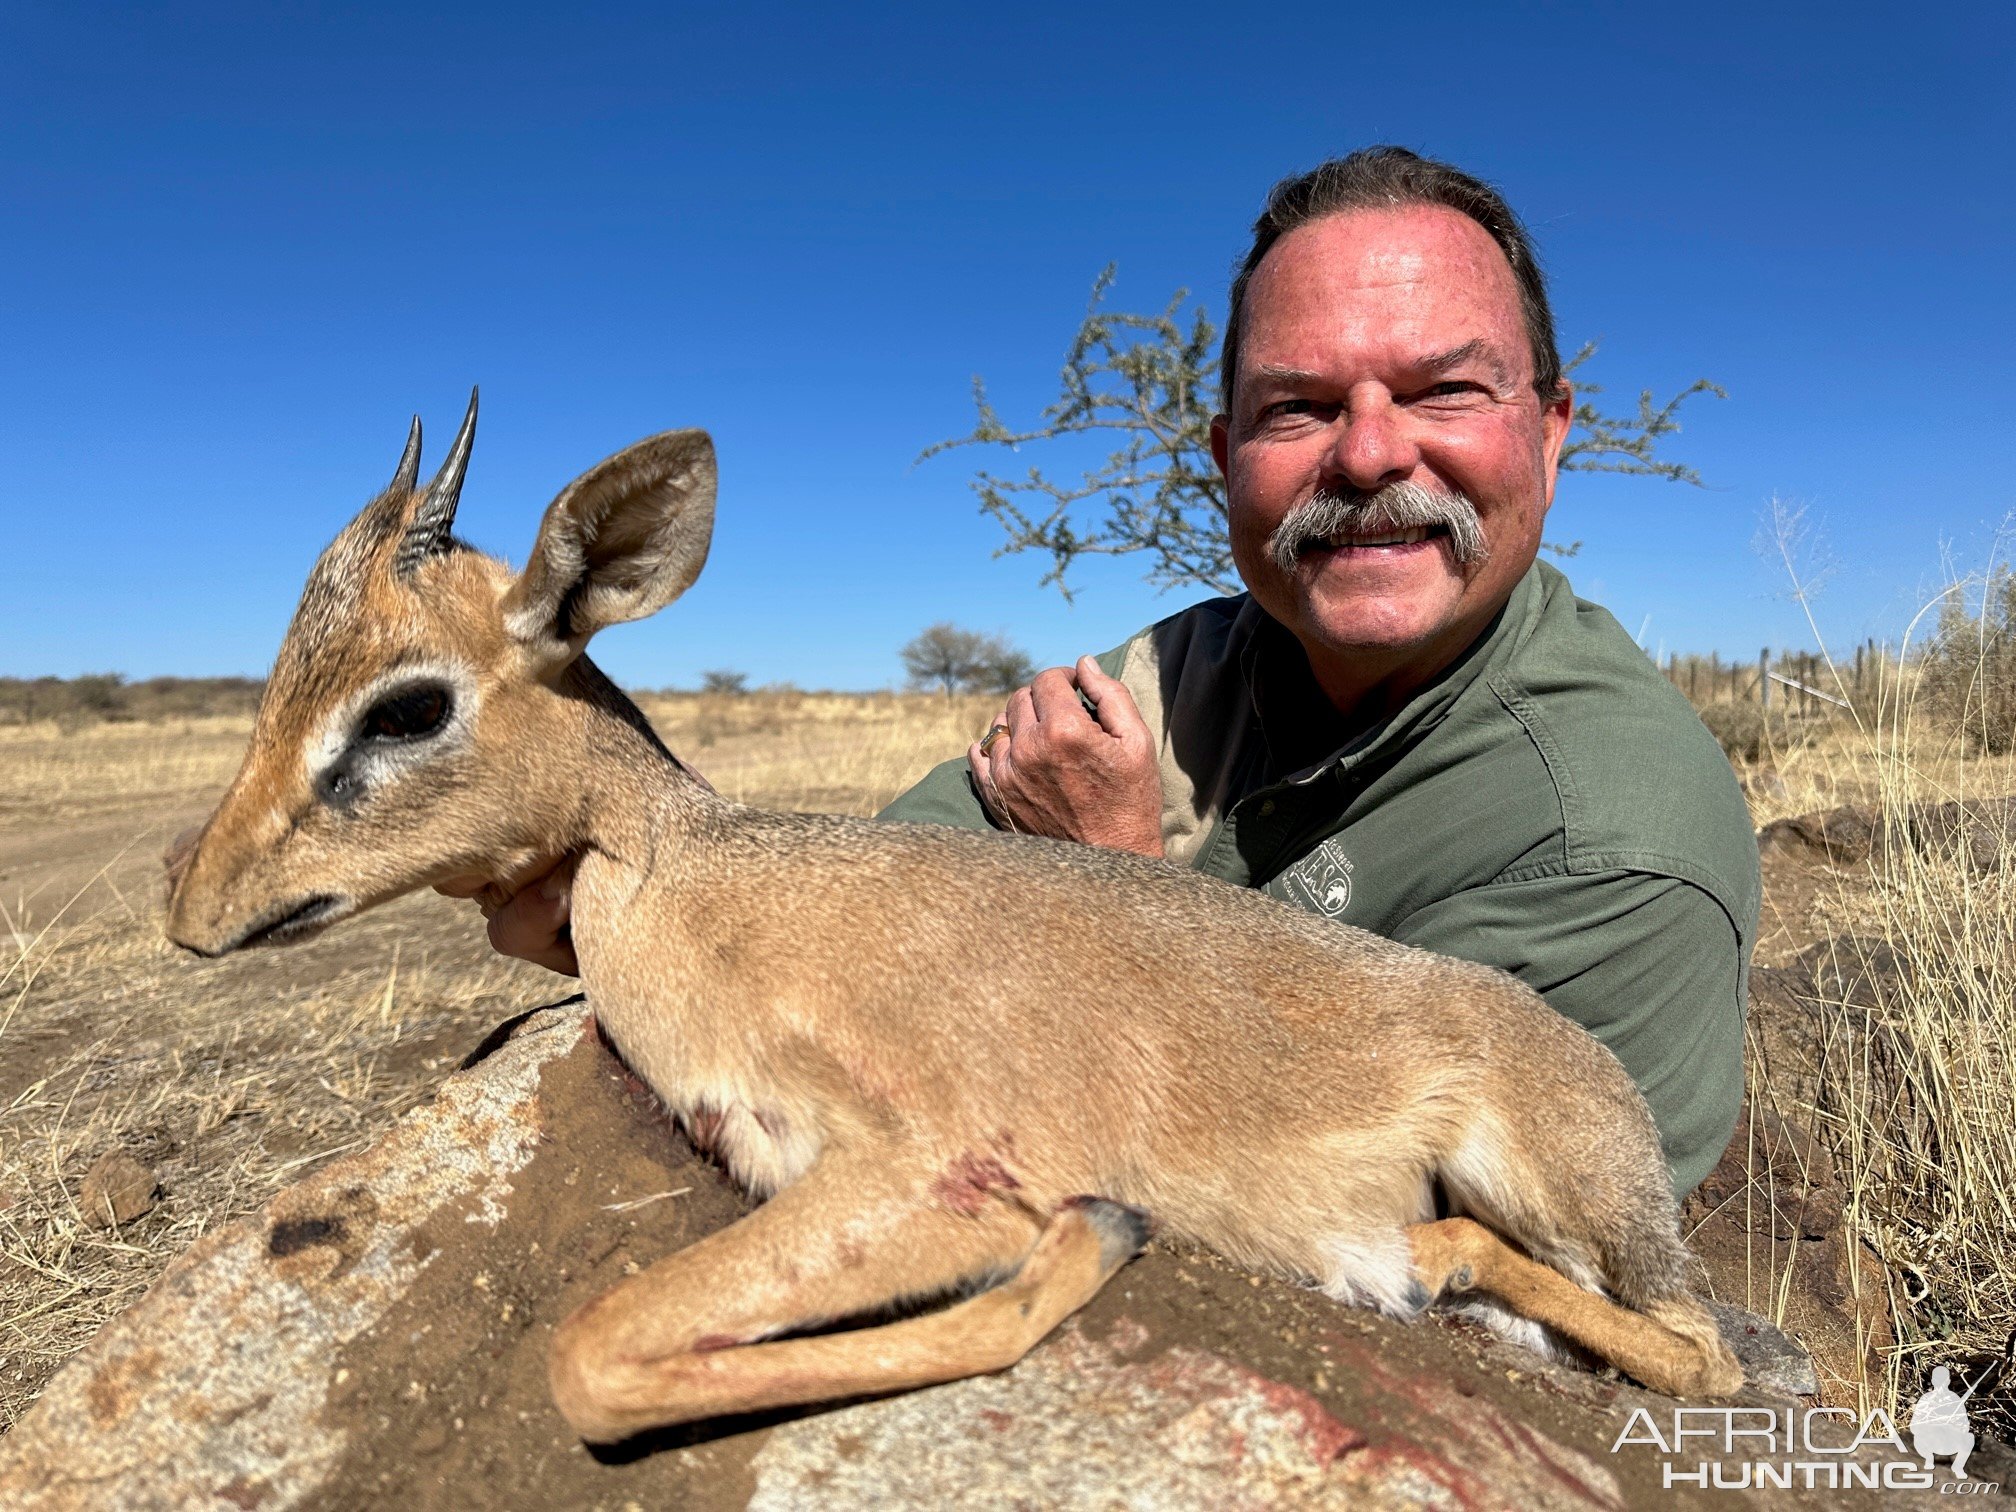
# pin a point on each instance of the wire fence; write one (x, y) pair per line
(1798, 684)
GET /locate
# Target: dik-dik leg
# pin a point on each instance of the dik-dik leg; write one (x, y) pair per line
(673, 1344)
(1676, 1352)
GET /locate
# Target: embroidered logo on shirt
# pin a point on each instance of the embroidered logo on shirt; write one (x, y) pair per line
(1320, 881)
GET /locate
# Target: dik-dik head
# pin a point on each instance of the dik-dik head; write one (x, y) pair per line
(422, 717)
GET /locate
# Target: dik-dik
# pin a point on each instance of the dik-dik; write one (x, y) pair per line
(952, 1063)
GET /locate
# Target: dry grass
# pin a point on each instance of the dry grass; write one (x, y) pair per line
(839, 753)
(46, 771)
(1909, 1080)
(233, 1078)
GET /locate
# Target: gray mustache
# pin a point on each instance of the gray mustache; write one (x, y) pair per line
(1397, 506)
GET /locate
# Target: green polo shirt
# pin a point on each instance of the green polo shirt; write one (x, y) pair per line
(1550, 805)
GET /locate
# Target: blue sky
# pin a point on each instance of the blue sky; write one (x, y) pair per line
(242, 246)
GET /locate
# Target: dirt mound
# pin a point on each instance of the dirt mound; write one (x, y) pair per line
(377, 1337)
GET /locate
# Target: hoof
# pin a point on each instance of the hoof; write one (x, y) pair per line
(1122, 1229)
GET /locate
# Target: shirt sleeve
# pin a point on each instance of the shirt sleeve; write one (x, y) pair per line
(944, 795)
(1650, 965)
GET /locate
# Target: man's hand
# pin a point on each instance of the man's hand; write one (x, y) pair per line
(1072, 775)
(529, 916)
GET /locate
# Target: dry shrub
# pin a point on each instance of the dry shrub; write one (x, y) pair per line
(1969, 670)
(1738, 728)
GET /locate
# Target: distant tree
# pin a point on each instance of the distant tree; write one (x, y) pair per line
(965, 661)
(723, 681)
(1002, 670)
(99, 693)
(1152, 382)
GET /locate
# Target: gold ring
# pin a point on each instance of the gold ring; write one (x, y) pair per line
(987, 740)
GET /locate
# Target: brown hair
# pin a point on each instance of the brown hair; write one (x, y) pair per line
(1377, 178)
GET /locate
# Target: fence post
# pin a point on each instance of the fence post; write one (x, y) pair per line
(1764, 678)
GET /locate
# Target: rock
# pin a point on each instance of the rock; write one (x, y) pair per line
(1859, 971)
(1773, 1361)
(1765, 783)
(378, 1336)
(1085, 1424)
(1784, 1171)
(117, 1190)
(1768, 1223)
(1977, 834)
(1843, 835)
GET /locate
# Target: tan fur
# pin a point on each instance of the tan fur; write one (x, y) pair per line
(925, 1046)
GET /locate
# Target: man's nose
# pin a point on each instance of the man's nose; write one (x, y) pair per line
(1375, 445)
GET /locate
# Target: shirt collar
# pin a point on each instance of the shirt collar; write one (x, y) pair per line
(1286, 700)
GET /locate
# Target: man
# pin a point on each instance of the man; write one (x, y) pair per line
(1406, 723)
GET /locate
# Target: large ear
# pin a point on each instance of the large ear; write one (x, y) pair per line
(622, 541)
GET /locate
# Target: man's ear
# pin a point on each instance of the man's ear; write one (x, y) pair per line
(622, 541)
(1557, 418)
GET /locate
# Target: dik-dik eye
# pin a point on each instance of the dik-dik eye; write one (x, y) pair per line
(410, 714)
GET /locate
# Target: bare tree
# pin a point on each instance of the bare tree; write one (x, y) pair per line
(965, 661)
(1151, 382)
(722, 680)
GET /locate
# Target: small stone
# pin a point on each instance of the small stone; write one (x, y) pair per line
(1772, 1360)
(117, 1190)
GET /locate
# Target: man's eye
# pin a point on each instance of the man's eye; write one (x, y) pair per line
(1455, 388)
(1288, 408)
(406, 716)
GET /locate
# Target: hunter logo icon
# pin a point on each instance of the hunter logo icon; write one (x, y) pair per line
(1939, 1423)
(1321, 880)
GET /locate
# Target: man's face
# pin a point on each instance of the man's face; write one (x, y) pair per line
(1383, 347)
